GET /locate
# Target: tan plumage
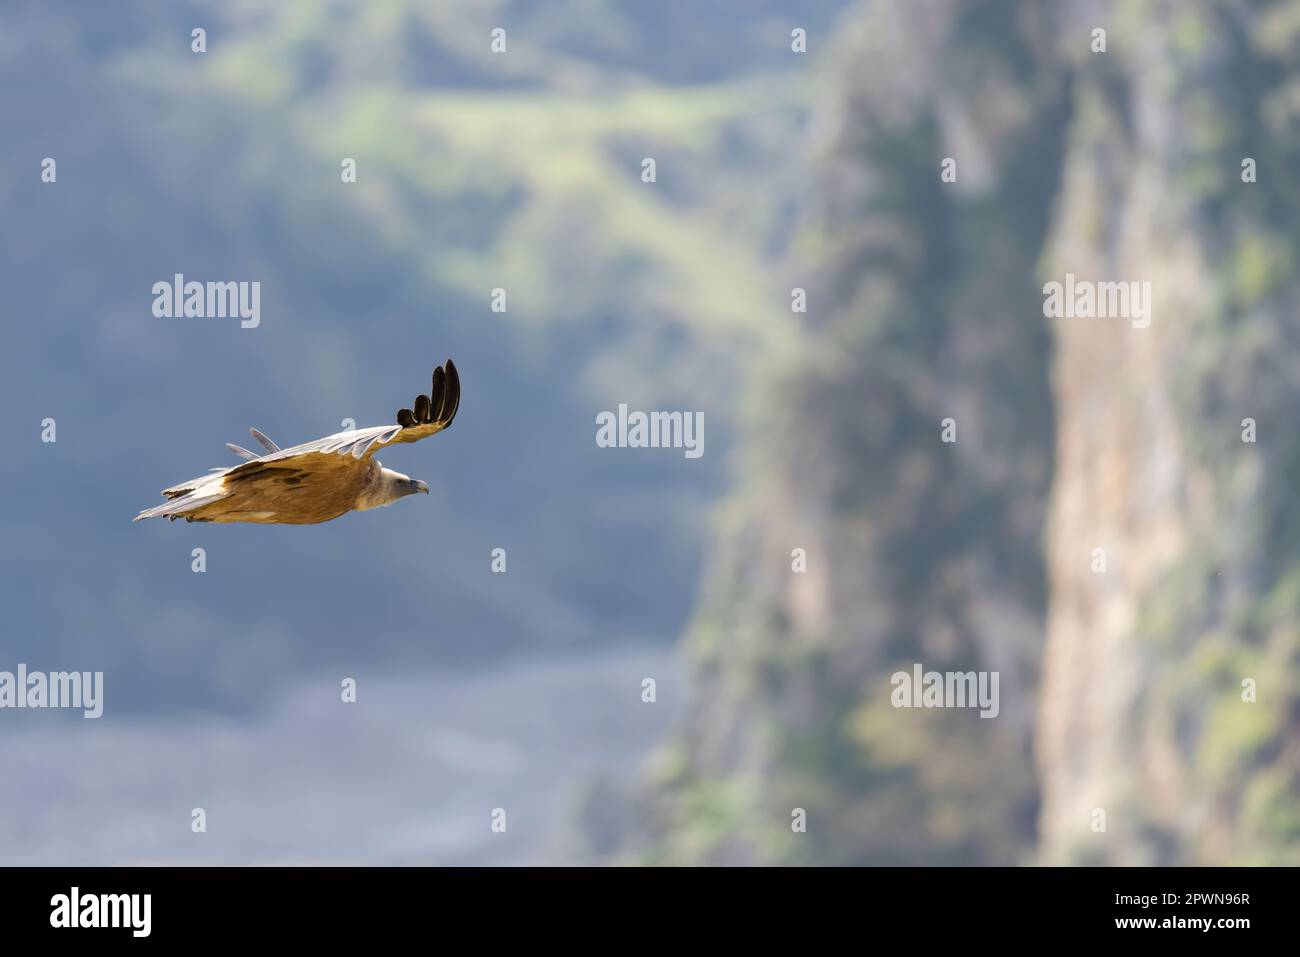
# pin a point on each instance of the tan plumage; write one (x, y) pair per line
(318, 480)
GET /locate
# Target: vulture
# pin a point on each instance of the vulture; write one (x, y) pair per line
(316, 481)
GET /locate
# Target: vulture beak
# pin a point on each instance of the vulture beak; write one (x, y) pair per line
(421, 487)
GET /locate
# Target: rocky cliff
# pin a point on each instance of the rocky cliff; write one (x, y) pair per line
(1098, 533)
(1172, 555)
(923, 307)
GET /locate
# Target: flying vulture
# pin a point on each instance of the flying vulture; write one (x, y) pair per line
(316, 481)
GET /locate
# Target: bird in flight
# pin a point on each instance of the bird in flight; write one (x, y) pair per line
(316, 481)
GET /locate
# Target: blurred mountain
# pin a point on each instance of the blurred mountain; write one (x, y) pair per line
(921, 308)
(926, 303)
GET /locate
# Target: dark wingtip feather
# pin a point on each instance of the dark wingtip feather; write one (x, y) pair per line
(405, 419)
(437, 395)
(452, 402)
(421, 408)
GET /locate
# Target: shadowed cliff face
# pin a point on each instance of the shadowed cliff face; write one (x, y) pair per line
(921, 308)
(1121, 683)
(1143, 715)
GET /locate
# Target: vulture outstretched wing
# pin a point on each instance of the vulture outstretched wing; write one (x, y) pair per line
(431, 415)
